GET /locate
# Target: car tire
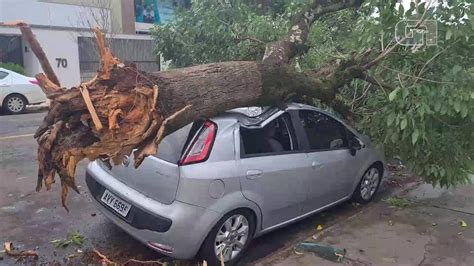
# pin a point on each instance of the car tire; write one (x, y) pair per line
(208, 249)
(368, 185)
(14, 104)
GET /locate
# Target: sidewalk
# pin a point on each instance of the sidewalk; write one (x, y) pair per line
(427, 233)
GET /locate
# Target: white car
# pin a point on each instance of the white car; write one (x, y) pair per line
(17, 91)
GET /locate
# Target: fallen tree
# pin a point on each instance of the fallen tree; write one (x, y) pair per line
(124, 110)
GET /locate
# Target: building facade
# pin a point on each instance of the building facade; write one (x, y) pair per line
(63, 29)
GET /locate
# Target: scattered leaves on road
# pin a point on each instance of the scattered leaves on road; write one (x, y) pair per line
(398, 202)
(74, 238)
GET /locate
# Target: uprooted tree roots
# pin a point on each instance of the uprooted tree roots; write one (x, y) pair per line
(107, 117)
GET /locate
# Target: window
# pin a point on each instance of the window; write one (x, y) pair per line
(171, 146)
(322, 131)
(276, 136)
(3, 74)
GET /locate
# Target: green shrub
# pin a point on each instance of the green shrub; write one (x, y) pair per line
(14, 67)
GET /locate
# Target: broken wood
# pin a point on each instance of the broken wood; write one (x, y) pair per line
(8, 246)
(106, 261)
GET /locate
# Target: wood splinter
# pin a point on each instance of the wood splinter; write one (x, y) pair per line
(90, 107)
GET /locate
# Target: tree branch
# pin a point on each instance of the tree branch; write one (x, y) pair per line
(37, 50)
(280, 52)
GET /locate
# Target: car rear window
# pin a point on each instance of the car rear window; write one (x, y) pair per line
(171, 146)
(3, 74)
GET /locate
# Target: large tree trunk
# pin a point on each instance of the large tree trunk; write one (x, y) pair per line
(123, 109)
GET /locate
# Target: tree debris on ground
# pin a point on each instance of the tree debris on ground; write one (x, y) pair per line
(74, 238)
(396, 202)
(104, 260)
(322, 250)
(9, 250)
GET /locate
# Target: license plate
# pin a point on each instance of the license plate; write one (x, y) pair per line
(115, 203)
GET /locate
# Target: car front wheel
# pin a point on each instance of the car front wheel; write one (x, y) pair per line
(229, 238)
(14, 104)
(368, 185)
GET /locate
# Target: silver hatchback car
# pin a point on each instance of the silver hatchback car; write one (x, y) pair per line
(216, 184)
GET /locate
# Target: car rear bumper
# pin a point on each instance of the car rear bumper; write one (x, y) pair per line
(176, 230)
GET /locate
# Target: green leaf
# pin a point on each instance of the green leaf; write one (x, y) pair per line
(456, 69)
(394, 137)
(393, 94)
(449, 34)
(405, 93)
(403, 124)
(401, 10)
(414, 136)
(390, 119)
(464, 111)
(457, 106)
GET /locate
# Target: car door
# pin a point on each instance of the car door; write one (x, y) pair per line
(273, 179)
(333, 166)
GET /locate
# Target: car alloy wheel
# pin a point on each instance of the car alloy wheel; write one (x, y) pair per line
(369, 183)
(232, 237)
(15, 104)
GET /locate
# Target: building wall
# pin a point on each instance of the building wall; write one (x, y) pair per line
(51, 14)
(68, 74)
(115, 7)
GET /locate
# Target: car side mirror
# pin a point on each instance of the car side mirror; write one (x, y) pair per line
(355, 144)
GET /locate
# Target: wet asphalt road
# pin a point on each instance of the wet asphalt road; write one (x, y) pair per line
(32, 219)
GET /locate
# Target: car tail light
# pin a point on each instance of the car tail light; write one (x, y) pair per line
(201, 146)
(34, 81)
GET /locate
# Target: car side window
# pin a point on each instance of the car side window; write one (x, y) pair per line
(3, 74)
(322, 131)
(278, 136)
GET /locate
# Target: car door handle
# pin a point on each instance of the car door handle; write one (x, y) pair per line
(316, 165)
(252, 174)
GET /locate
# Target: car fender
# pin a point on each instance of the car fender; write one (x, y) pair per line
(199, 192)
(236, 200)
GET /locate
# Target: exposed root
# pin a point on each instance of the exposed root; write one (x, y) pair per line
(99, 119)
(152, 147)
(113, 116)
(108, 61)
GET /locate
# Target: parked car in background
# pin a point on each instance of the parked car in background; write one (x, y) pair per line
(18, 91)
(217, 183)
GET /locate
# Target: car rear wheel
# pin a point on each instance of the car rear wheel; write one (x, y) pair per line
(368, 185)
(229, 237)
(14, 104)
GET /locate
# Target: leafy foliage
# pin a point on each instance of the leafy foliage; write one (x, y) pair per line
(426, 114)
(74, 238)
(214, 31)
